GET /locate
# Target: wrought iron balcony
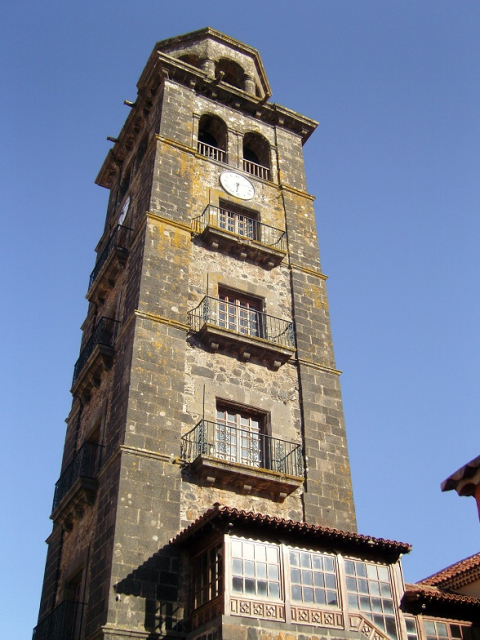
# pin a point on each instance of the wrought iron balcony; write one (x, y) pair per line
(248, 459)
(84, 466)
(103, 335)
(214, 153)
(257, 170)
(242, 235)
(63, 623)
(111, 261)
(95, 357)
(244, 332)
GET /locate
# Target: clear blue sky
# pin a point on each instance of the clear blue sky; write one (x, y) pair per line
(395, 168)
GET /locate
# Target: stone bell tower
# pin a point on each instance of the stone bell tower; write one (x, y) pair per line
(206, 372)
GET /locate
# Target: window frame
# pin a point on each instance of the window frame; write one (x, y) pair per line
(249, 317)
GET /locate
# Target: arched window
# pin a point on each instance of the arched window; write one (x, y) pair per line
(256, 155)
(232, 73)
(191, 59)
(212, 138)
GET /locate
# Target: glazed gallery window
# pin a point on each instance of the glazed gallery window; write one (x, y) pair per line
(208, 575)
(369, 591)
(240, 313)
(436, 630)
(313, 578)
(238, 436)
(255, 569)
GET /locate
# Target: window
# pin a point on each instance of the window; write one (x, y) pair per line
(436, 630)
(411, 626)
(239, 437)
(240, 313)
(313, 578)
(369, 591)
(256, 155)
(240, 222)
(232, 72)
(208, 576)
(255, 569)
(212, 138)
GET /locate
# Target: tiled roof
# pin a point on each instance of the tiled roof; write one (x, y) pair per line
(454, 572)
(461, 476)
(238, 518)
(428, 594)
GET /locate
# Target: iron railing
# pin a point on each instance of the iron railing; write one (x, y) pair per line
(85, 464)
(103, 334)
(63, 623)
(120, 238)
(257, 170)
(250, 448)
(239, 319)
(212, 152)
(241, 225)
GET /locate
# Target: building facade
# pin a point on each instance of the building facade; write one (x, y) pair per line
(205, 488)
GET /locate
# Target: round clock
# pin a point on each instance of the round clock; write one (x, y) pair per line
(237, 185)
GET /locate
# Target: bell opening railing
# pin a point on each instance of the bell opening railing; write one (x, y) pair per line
(250, 448)
(85, 464)
(120, 238)
(257, 170)
(103, 334)
(241, 225)
(241, 320)
(214, 153)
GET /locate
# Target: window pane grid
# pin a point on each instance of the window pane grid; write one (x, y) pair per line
(369, 591)
(437, 630)
(237, 438)
(237, 223)
(313, 578)
(239, 314)
(255, 569)
(208, 576)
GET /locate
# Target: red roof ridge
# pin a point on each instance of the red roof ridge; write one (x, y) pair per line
(453, 571)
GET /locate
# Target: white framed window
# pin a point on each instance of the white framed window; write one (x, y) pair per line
(369, 590)
(240, 313)
(313, 578)
(256, 569)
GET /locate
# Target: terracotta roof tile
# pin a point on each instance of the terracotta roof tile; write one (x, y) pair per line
(344, 539)
(432, 594)
(454, 571)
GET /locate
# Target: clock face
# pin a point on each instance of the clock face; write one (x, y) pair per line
(237, 185)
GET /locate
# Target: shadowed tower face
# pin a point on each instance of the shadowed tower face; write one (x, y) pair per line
(206, 373)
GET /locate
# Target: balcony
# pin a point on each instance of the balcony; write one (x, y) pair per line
(77, 486)
(214, 153)
(243, 332)
(110, 263)
(63, 623)
(95, 357)
(248, 460)
(257, 170)
(241, 235)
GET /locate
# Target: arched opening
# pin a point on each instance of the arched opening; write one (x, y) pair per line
(212, 138)
(233, 73)
(191, 59)
(256, 155)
